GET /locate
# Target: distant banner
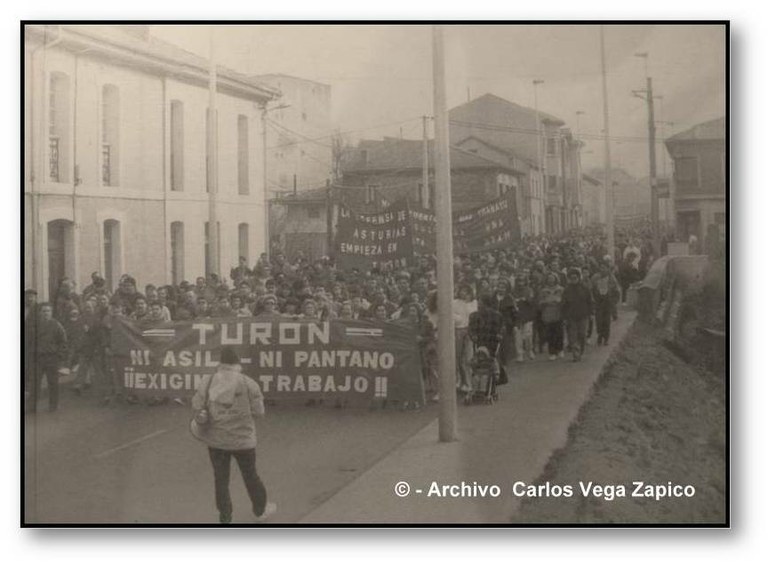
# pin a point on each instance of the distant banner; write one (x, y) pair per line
(424, 230)
(358, 361)
(493, 225)
(488, 227)
(383, 240)
(390, 239)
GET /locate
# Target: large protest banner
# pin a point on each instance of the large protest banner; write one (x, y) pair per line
(383, 240)
(356, 361)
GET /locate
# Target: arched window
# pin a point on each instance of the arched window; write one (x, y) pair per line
(110, 136)
(58, 128)
(112, 252)
(177, 252)
(177, 145)
(61, 253)
(242, 242)
(242, 155)
(209, 267)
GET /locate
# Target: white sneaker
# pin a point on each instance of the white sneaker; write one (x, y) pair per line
(269, 510)
(532, 355)
(552, 357)
(519, 358)
(561, 355)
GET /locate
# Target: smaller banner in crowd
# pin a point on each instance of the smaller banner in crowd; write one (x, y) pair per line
(390, 239)
(357, 361)
(488, 227)
(423, 226)
(383, 240)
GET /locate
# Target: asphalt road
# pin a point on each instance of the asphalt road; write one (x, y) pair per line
(139, 464)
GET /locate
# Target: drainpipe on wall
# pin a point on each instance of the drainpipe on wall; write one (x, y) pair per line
(35, 179)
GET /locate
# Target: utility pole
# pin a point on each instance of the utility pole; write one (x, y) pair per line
(213, 163)
(539, 162)
(425, 165)
(264, 124)
(445, 335)
(652, 166)
(579, 197)
(329, 217)
(607, 152)
(267, 246)
(647, 94)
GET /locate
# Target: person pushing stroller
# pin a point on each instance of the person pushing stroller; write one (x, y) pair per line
(485, 330)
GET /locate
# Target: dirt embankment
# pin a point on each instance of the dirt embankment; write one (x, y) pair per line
(657, 415)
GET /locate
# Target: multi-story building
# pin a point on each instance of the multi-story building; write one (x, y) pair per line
(116, 158)
(550, 150)
(532, 190)
(298, 133)
(699, 180)
(593, 201)
(393, 169)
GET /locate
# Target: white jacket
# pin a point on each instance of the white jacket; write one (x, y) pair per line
(234, 400)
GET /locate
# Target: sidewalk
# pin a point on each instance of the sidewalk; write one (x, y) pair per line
(509, 441)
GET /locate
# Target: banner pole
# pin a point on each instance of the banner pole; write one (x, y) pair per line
(445, 335)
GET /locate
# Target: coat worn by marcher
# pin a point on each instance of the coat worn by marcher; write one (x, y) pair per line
(234, 400)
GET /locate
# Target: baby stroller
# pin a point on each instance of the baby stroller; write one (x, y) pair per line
(484, 375)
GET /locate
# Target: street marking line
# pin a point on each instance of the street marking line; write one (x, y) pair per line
(131, 443)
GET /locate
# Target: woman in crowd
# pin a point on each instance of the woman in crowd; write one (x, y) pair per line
(550, 302)
(463, 306)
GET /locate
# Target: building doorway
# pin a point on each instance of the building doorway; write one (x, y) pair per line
(112, 253)
(689, 224)
(61, 256)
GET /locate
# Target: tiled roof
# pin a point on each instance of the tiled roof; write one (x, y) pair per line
(117, 37)
(478, 117)
(304, 197)
(399, 154)
(712, 130)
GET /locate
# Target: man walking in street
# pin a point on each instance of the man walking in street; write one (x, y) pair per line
(47, 346)
(577, 307)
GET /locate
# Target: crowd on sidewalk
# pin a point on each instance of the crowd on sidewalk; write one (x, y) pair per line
(532, 295)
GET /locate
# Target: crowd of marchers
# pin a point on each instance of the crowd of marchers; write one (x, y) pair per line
(547, 296)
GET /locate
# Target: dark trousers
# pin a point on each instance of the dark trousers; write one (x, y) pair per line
(246, 461)
(577, 335)
(540, 335)
(48, 367)
(554, 335)
(603, 314)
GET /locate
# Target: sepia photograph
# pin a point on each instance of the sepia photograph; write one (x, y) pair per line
(360, 274)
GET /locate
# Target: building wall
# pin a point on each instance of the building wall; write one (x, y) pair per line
(530, 204)
(706, 192)
(469, 189)
(308, 116)
(142, 200)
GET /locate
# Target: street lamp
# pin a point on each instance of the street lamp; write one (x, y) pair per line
(264, 111)
(644, 56)
(536, 83)
(579, 113)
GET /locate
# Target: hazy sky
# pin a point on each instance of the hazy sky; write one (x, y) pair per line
(383, 74)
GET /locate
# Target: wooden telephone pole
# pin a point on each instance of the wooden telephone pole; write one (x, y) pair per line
(445, 330)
